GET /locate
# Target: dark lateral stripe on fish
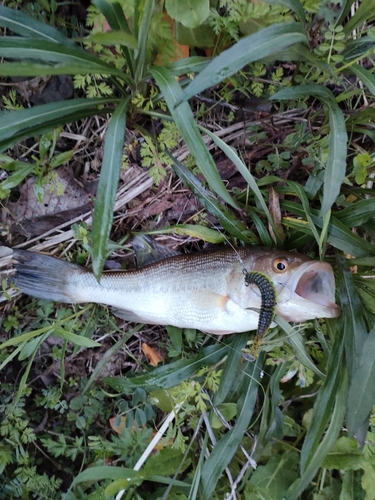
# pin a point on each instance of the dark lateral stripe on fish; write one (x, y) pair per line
(268, 303)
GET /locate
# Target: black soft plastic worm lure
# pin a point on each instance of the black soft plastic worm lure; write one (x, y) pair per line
(268, 302)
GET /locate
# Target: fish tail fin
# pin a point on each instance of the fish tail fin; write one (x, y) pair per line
(43, 276)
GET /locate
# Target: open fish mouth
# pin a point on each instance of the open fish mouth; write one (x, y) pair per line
(309, 293)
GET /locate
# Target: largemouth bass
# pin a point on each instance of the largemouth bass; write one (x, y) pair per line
(205, 290)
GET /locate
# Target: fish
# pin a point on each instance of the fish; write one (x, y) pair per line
(203, 290)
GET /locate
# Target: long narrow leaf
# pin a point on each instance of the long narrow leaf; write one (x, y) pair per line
(336, 160)
(41, 50)
(265, 42)
(28, 26)
(339, 235)
(327, 443)
(354, 328)
(230, 371)
(294, 5)
(324, 404)
(227, 220)
(224, 450)
(295, 340)
(188, 128)
(167, 376)
(365, 76)
(147, 8)
(15, 125)
(241, 167)
(108, 182)
(114, 14)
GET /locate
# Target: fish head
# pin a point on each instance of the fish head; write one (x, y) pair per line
(305, 288)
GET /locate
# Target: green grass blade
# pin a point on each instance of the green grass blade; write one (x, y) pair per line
(337, 149)
(324, 404)
(264, 43)
(364, 14)
(354, 327)
(241, 167)
(357, 213)
(224, 450)
(114, 37)
(25, 25)
(296, 341)
(339, 235)
(232, 364)
(361, 398)
(76, 339)
(188, 129)
(167, 376)
(325, 446)
(365, 76)
(108, 182)
(114, 14)
(146, 9)
(188, 65)
(227, 220)
(35, 69)
(41, 50)
(15, 125)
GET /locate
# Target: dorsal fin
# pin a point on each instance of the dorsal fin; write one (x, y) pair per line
(148, 251)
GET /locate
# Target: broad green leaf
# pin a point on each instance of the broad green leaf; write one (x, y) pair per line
(227, 220)
(224, 449)
(184, 119)
(365, 76)
(336, 160)
(170, 375)
(273, 479)
(345, 455)
(202, 36)
(330, 437)
(166, 463)
(107, 188)
(244, 171)
(361, 398)
(190, 13)
(324, 404)
(294, 5)
(251, 48)
(16, 125)
(110, 38)
(41, 50)
(25, 25)
(227, 411)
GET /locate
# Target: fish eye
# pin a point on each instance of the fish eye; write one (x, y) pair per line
(280, 265)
